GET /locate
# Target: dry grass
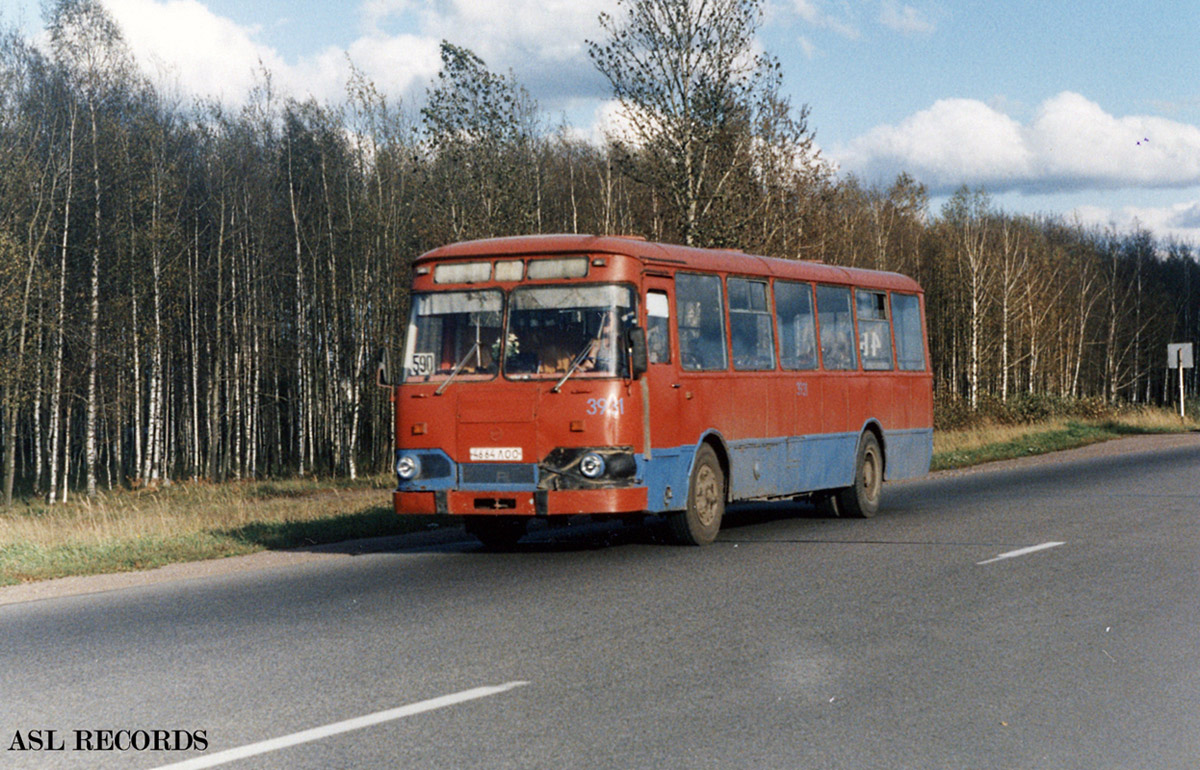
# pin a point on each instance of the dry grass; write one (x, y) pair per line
(968, 439)
(137, 529)
(1141, 420)
(182, 509)
(989, 441)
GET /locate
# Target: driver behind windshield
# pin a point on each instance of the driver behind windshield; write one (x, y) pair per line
(602, 351)
(566, 330)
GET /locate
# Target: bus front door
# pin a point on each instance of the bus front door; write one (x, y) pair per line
(667, 458)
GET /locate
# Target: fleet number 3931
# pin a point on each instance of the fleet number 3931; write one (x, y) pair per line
(606, 406)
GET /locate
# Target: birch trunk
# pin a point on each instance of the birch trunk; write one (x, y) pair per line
(89, 442)
(216, 353)
(301, 341)
(153, 461)
(194, 352)
(60, 338)
(137, 358)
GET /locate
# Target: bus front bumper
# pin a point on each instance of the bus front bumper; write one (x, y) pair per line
(508, 503)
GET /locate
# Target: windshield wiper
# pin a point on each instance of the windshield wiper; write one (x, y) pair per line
(457, 368)
(580, 357)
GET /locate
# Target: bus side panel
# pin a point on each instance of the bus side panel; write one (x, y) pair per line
(908, 453)
(761, 468)
(785, 400)
(787, 466)
(742, 404)
(831, 402)
(922, 403)
(666, 477)
(827, 461)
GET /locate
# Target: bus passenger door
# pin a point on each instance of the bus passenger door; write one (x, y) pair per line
(666, 459)
(662, 368)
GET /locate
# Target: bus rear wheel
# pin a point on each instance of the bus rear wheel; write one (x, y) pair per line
(701, 521)
(861, 500)
(497, 533)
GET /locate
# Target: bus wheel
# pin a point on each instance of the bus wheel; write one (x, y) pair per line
(861, 500)
(699, 524)
(497, 533)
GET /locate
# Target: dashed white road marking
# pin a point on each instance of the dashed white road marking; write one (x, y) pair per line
(317, 733)
(1021, 552)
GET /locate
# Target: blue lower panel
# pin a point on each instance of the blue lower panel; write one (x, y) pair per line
(760, 468)
(788, 466)
(908, 453)
(666, 476)
(785, 466)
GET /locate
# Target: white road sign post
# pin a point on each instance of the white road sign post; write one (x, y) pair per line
(1179, 356)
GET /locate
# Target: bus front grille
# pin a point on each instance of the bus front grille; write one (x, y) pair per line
(497, 474)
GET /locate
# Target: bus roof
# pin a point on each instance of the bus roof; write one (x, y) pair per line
(670, 255)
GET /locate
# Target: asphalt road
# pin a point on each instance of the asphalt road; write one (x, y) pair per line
(793, 642)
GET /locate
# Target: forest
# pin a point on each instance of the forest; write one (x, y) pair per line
(190, 290)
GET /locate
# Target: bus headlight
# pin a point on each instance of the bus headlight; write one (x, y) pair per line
(592, 465)
(408, 467)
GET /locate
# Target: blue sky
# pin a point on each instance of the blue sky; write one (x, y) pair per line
(1084, 109)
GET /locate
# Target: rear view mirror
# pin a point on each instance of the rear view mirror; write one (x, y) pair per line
(635, 340)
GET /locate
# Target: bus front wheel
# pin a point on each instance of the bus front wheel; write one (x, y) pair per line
(861, 500)
(496, 532)
(700, 522)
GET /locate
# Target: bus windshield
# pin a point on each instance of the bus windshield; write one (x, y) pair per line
(453, 331)
(556, 330)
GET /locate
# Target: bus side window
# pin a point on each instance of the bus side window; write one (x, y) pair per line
(797, 334)
(837, 327)
(910, 350)
(750, 325)
(874, 330)
(658, 315)
(701, 321)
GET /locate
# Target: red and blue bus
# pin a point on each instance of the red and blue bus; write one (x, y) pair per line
(556, 375)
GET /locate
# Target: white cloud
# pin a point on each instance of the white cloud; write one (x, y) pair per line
(191, 46)
(813, 12)
(204, 53)
(1180, 221)
(955, 141)
(1071, 144)
(904, 18)
(504, 33)
(397, 64)
(610, 120)
(1082, 145)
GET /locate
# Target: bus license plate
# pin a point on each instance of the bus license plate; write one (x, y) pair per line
(495, 453)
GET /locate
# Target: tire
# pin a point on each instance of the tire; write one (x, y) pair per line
(861, 501)
(701, 521)
(497, 533)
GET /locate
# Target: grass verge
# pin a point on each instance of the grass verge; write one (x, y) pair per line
(988, 442)
(127, 530)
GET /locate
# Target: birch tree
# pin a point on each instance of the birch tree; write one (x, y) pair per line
(88, 44)
(968, 216)
(696, 96)
(27, 190)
